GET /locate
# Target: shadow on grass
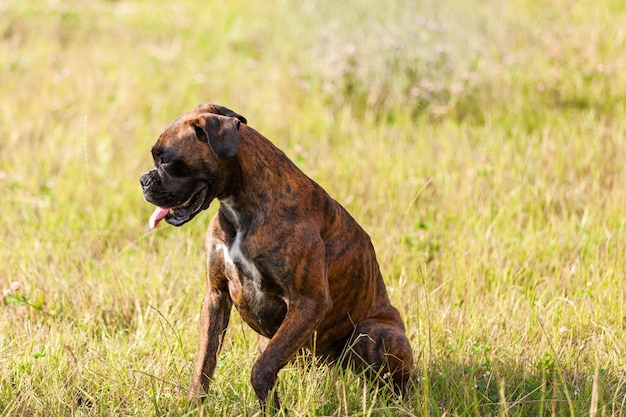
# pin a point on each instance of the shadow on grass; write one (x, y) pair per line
(510, 390)
(472, 389)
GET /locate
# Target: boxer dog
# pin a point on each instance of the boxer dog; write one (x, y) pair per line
(299, 269)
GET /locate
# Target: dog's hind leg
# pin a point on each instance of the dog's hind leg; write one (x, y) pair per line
(381, 349)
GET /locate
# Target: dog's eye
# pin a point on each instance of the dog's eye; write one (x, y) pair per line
(163, 161)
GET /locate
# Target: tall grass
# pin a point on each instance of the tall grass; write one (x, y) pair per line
(480, 143)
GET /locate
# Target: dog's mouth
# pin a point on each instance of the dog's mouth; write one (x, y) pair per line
(179, 215)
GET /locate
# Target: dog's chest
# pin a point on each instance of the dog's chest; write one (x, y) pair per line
(237, 264)
(254, 294)
(235, 261)
(263, 310)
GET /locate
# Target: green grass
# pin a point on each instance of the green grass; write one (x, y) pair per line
(482, 144)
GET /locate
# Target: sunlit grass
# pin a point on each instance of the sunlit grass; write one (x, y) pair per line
(480, 144)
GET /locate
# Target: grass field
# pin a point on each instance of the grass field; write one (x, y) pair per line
(482, 145)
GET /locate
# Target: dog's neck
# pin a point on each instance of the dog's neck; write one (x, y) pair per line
(246, 197)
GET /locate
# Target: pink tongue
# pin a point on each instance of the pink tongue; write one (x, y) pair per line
(158, 215)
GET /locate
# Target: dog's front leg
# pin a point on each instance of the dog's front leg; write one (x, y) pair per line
(303, 317)
(308, 301)
(214, 317)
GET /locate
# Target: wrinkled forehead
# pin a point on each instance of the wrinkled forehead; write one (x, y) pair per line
(181, 123)
(180, 133)
(172, 136)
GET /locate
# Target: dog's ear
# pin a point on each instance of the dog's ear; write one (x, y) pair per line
(221, 110)
(221, 133)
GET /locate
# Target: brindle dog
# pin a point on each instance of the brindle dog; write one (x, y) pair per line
(298, 268)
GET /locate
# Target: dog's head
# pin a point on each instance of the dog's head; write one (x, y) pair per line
(190, 157)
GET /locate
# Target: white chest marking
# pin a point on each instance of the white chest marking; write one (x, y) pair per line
(238, 264)
(233, 256)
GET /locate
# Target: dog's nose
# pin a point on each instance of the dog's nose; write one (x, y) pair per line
(144, 180)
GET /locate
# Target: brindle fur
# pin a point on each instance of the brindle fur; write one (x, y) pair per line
(295, 264)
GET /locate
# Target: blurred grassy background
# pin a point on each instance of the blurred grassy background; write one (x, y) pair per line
(480, 143)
